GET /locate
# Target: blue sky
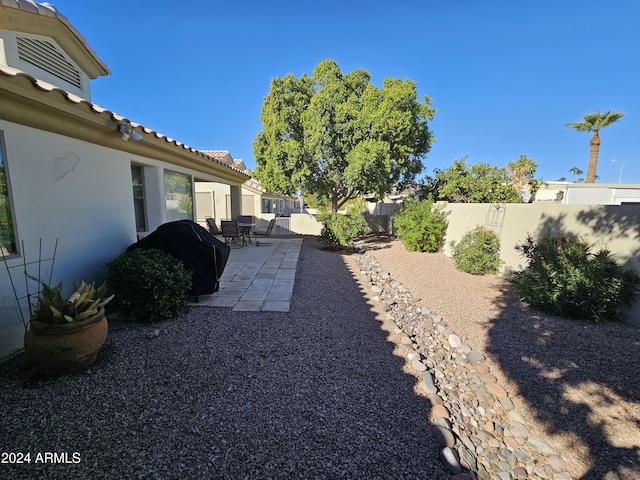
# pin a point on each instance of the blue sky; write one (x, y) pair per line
(505, 75)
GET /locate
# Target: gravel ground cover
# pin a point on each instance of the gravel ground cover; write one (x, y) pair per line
(576, 383)
(319, 392)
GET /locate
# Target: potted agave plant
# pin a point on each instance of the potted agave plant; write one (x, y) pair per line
(65, 334)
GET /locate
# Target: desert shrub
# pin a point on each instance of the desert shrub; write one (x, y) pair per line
(565, 278)
(478, 252)
(421, 225)
(338, 231)
(149, 284)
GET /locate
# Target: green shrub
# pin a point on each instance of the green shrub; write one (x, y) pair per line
(421, 225)
(338, 231)
(565, 278)
(149, 284)
(478, 252)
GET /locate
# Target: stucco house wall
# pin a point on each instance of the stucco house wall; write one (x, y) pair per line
(69, 171)
(62, 189)
(211, 200)
(80, 194)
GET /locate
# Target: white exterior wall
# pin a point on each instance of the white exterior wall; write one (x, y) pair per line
(588, 193)
(220, 193)
(70, 190)
(76, 192)
(305, 224)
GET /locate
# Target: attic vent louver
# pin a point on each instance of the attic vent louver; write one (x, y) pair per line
(48, 57)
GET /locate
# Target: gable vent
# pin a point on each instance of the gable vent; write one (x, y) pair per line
(48, 57)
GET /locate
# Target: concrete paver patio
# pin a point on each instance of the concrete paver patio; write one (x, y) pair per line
(257, 278)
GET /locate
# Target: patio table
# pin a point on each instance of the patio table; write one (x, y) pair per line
(245, 228)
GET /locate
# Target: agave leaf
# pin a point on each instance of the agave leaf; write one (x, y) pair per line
(94, 304)
(105, 301)
(86, 314)
(101, 291)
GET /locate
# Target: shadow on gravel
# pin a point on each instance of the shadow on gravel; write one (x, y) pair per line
(377, 241)
(313, 393)
(565, 370)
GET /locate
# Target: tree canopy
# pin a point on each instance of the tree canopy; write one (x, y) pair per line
(337, 136)
(484, 183)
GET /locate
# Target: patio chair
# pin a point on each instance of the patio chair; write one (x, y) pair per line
(245, 229)
(231, 231)
(213, 227)
(264, 233)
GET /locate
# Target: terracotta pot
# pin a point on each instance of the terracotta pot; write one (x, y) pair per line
(65, 348)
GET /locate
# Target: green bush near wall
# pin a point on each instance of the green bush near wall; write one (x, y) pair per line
(477, 252)
(421, 225)
(149, 284)
(565, 278)
(338, 231)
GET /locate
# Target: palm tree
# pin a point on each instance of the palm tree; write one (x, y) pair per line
(576, 172)
(593, 122)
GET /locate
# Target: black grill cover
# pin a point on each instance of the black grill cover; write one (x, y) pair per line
(195, 247)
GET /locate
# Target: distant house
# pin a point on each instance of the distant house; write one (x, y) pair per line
(589, 193)
(74, 172)
(212, 199)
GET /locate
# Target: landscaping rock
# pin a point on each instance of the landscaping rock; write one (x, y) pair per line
(450, 459)
(472, 416)
(443, 436)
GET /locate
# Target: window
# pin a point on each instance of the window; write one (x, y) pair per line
(266, 205)
(7, 235)
(137, 181)
(179, 196)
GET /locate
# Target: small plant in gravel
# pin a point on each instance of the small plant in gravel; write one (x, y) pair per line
(478, 252)
(564, 277)
(338, 231)
(149, 284)
(421, 225)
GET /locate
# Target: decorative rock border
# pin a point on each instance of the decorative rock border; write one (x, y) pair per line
(480, 432)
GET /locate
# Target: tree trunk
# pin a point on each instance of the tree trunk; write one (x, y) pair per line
(593, 158)
(334, 202)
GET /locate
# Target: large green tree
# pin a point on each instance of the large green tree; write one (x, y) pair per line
(593, 122)
(337, 136)
(483, 183)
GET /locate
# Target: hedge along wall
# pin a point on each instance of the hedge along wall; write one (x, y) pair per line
(616, 227)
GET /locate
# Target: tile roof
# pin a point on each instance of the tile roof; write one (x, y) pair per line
(222, 155)
(239, 164)
(48, 10)
(41, 85)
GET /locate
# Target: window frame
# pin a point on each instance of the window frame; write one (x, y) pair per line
(190, 214)
(11, 211)
(143, 198)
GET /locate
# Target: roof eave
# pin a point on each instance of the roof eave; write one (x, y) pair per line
(39, 105)
(33, 18)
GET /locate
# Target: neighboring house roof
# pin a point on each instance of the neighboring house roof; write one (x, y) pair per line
(21, 92)
(20, 18)
(254, 185)
(239, 164)
(221, 155)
